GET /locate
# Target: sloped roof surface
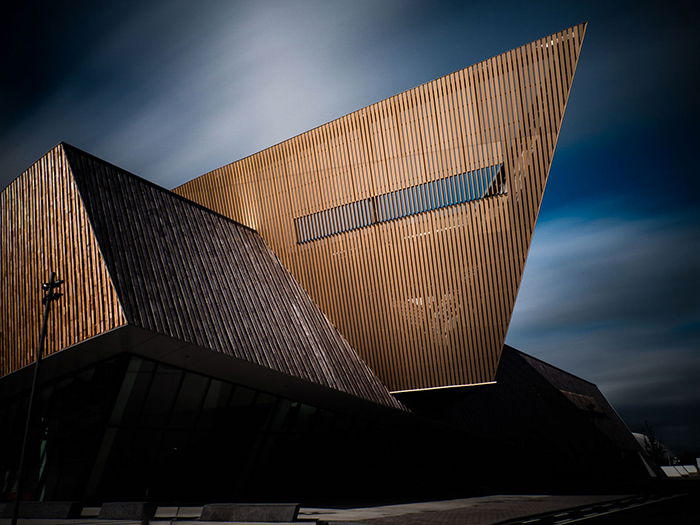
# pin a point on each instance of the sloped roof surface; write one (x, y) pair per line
(567, 384)
(186, 272)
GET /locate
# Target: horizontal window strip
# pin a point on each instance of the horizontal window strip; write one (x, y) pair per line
(429, 196)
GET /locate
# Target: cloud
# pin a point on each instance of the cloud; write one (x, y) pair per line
(175, 90)
(614, 296)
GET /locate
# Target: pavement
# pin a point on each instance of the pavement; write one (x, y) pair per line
(473, 511)
(487, 510)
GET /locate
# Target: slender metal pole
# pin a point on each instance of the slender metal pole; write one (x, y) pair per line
(50, 295)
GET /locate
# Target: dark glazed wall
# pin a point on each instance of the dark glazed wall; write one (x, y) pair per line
(132, 429)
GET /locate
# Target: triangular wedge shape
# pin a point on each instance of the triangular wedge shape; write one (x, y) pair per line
(387, 219)
(202, 279)
(46, 228)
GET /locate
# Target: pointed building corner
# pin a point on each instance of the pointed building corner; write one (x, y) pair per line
(416, 323)
(45, 228)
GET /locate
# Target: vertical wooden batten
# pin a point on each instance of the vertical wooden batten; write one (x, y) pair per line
(44, 228)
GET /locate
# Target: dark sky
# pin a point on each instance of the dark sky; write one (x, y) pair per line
(170, 90)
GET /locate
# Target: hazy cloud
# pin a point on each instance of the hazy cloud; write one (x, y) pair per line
(175, 90)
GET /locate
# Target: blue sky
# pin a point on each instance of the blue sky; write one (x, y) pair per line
(170, 90)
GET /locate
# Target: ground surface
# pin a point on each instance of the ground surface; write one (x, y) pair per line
(476, 511)
(680, 509)
(668, 508)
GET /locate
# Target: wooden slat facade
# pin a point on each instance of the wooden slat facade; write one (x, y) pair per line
(44, 228)
(198, 277)
(426, 300)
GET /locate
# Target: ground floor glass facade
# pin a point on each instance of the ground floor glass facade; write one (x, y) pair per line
(133, 428)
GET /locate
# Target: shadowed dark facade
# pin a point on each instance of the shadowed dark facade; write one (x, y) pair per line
(193, 358)
(548, 423)
(131, 428)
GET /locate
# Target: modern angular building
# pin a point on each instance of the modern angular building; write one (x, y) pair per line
(340, 297)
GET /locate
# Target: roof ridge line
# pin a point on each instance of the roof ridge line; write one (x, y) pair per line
(67, 146)
(551, 365)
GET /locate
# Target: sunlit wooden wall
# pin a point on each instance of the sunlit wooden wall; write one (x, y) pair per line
(426, 300)
(44, 228)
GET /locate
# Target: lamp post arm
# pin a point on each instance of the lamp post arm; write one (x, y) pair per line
(50, 294)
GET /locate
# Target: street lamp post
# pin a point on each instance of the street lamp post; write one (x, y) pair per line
(51, 294)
